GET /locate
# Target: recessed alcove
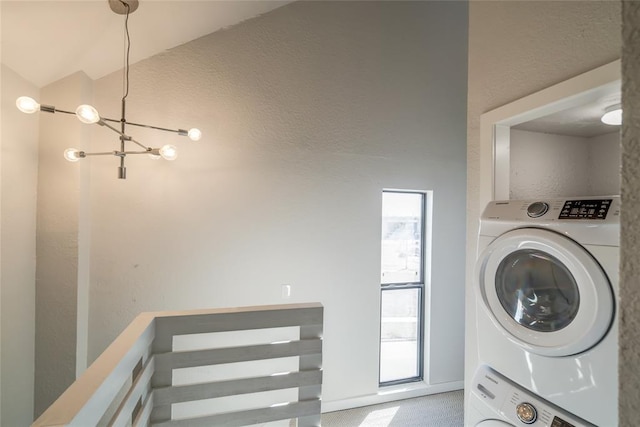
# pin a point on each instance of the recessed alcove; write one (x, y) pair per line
(552, 143)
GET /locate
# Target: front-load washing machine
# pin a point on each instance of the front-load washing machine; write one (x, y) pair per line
(494, 401)
(543, 304)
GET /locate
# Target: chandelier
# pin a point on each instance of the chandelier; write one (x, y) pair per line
(88, 114)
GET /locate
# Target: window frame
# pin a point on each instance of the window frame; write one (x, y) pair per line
(420, 286)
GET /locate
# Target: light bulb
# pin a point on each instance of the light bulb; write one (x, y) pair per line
(195, 134)
(72, 154)
(87, 114)
(27, 105)
(613, 117)
(169, 152)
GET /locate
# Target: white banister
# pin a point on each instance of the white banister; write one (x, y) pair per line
(133, 382)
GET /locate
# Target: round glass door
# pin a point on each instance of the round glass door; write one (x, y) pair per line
(537, 290)
(545, 291)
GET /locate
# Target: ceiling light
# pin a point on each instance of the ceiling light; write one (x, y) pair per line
(72, 154)
(169, 152)
(612, 116)
(88, 114)
(27, 105)
(194, 134)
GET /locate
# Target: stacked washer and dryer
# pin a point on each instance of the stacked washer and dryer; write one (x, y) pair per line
(542, 334)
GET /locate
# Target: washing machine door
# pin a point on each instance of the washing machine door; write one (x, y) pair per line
(493, 423)
(545, 291)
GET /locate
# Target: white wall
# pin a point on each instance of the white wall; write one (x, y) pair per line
(604, 164)
(518, 48)
(629, 375)
(18, 179)
(308, 113)
(549, 165)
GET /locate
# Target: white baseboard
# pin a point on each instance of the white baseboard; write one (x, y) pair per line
(389, 394)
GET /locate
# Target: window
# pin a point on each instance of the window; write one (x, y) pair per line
(402, 287)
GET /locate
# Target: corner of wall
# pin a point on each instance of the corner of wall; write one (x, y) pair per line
(18, 164)
(629, 333)
(62, 268)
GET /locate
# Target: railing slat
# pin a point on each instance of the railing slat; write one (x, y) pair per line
(311, 361)
(222, 321)
(144, 417)
(253, 416)
(186, 393)
(161, 377)
(137, 391)
(190, 359)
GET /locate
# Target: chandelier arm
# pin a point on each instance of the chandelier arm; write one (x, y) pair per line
(178, 131)
(64, 111)
(104, 153)
(52, 109)
(114, 153)
(137, 152)
(102, 123)
(140, 144)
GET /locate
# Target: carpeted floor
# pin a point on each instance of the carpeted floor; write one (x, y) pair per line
(438, 410)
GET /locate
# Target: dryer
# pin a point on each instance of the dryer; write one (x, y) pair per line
(544, 298)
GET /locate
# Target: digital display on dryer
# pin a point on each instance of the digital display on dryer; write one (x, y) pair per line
(585, 209)
(559, 422)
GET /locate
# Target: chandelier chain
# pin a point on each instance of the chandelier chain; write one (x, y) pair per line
(128, 42)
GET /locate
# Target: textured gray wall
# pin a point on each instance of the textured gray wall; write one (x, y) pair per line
(630, 237)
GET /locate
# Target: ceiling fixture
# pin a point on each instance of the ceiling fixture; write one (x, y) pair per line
(612, 116)
(88, 114)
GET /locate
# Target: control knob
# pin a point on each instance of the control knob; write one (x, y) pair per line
(537, 209)
(526, 413)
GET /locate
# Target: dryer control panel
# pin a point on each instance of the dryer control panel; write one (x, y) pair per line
(585, 209)
(517, 405)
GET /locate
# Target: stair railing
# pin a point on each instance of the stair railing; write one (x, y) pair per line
(195, 368)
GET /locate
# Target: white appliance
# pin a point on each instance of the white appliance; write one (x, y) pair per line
(495, 401)
(544, 315)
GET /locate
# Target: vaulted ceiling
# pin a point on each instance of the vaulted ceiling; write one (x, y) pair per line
(46, 40)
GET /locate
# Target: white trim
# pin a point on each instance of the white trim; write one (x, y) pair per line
(494, 164)
(390, 394)
(426, 312)
(502, 161)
